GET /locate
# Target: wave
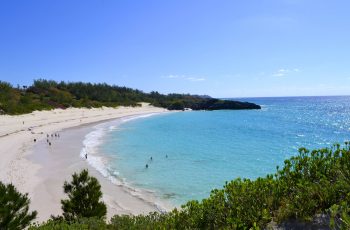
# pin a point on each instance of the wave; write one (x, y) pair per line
(130, 118)
(94, 158)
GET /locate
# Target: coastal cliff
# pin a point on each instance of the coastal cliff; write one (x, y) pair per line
(213, 104)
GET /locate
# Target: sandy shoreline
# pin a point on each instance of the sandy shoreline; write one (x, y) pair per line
(40, 170)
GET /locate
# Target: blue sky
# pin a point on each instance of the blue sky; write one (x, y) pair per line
(230, 48)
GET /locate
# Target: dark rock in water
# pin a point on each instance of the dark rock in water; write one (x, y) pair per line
(213, 104)
(169, 195)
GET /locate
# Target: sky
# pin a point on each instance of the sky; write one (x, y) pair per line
(241, 48)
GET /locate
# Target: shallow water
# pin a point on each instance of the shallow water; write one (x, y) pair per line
(194, 152)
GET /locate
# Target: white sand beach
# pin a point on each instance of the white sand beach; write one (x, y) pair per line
(40, 170)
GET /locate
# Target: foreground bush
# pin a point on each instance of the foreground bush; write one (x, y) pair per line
(340, 215)
(14, 208)
(91, 223)
(84, 194)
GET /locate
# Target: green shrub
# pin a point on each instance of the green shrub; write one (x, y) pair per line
(79, 224)
(14, 208)
(84, 194)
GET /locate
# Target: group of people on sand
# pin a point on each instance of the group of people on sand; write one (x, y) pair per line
(151, 159)
(56, 135)
(53, 135)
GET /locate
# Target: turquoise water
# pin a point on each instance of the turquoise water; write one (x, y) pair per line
(205, 149)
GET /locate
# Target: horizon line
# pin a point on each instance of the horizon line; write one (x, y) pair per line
(284, 96)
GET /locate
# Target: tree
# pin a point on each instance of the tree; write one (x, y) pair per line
(14, 208)
(84, 193)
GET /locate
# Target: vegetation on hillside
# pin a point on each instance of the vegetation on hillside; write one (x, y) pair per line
(309, 184)
(46, 94)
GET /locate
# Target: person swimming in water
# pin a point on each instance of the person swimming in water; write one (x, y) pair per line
(146, 166)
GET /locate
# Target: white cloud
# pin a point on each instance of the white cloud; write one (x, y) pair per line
(173, 76)
(195, 78)
(283, 72)
(184, 77)
(280, 73)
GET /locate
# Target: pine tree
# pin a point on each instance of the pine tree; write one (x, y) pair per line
(14, 208)
(84, 194)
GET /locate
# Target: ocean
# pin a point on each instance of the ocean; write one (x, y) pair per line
(190, 153)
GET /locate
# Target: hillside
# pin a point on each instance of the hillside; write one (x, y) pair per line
(47, 94)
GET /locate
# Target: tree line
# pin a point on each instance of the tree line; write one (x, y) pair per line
(313, 183)
(47, 94)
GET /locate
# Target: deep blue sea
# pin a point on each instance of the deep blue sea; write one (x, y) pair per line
(194, 152)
